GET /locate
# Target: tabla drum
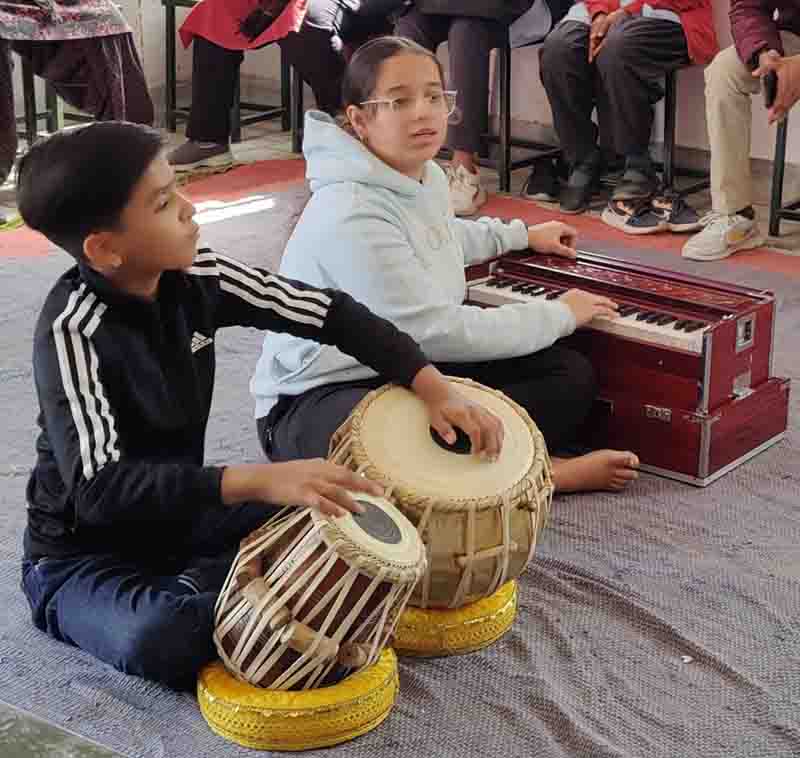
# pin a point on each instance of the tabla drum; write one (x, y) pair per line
(310, 599)
(479, 520)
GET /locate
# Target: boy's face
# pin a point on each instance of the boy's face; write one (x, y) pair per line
(157, 232)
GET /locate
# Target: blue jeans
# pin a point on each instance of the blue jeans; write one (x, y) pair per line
(148, 615)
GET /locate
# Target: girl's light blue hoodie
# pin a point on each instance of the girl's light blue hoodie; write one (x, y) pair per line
(394, 244)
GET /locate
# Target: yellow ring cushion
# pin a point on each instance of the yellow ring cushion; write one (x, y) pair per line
(283, 720)
(448, 631)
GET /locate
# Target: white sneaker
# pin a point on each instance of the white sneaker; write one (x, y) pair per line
(722, 235)
(466, 192)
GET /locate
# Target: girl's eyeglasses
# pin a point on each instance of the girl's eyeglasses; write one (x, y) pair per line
(444, 102)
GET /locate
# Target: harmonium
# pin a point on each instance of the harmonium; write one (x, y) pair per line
(684, 371)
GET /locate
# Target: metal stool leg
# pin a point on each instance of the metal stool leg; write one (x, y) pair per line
(778, 167)
(504, 109)
(297, 112)
(670, 107)
(55, 109)
(236, 111)
(29, 98)
(170, 88)
(286, 94)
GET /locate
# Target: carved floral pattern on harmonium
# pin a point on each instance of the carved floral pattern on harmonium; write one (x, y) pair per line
(684, 372)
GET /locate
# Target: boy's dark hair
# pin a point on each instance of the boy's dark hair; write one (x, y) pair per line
(79, 180)
(362, 71)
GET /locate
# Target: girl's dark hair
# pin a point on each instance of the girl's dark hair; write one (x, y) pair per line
(79, 180)
(364, 67)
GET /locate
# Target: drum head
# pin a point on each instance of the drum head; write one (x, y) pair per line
(396, 438)
(381, 537)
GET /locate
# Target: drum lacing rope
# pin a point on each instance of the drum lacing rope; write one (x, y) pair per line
(350, 618)
(294, 673)
(466, 576)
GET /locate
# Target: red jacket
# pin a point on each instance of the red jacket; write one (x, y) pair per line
(754, 27)
(223, 23)
(696, 17)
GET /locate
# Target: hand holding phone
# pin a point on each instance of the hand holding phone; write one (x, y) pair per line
(769, 84)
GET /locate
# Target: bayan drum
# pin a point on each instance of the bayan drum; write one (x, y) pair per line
(310, 598)
(479, 520)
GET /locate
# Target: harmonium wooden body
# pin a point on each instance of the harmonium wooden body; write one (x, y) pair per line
(684, 371)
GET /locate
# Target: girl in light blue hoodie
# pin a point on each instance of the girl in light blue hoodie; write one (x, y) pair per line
(379, 225)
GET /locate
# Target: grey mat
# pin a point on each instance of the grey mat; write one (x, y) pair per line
(660, 623)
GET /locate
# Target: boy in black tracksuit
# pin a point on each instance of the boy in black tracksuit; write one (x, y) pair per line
(129, 535)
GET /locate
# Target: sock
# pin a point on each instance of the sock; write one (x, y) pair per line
(747, 212)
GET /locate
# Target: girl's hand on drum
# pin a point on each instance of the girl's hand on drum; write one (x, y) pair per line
(585, 306)
(553, 237)
(315, 483)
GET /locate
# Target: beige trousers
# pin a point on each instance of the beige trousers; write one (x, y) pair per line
(729, 87)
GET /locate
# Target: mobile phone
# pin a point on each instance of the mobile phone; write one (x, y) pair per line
(769, 82)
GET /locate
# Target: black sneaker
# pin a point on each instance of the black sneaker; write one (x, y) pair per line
(543, 184)
(634, 217)
(192, 155)
(636, 184)
(583, 181)
(678, 215)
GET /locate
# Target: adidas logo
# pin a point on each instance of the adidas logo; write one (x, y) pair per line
(199, 341)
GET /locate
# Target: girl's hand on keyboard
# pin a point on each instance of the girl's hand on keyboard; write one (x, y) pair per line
(585, 306)
(553, 237)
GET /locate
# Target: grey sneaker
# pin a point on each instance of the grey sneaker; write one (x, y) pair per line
(678, 215)
(191, 155)
(633, 217)
(722, 235)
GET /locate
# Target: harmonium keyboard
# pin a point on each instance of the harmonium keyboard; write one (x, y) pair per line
(684, 370)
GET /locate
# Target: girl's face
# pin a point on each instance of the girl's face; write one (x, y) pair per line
(405, 119)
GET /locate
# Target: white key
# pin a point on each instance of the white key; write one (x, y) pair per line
(624, 326)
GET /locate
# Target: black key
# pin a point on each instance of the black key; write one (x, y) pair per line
(680, 324)
(693, 326)
(503, 283)
(627, 310)
(493, 282)
(535, 290)
(643, 315)
(653, 317)
(665, 319)
(553, 295)
(518, 286)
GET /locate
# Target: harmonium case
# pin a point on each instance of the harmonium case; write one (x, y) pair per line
(684, 371)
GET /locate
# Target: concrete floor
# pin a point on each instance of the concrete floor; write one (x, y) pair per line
(24, 736)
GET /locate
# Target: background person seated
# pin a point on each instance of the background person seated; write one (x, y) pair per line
(613, 56)
(471, 31)
(313, 35)
(85, 49)
(733, 77)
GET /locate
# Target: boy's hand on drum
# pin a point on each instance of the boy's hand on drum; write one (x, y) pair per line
(585, 306)
(484, 429)
(553, 237)
(448, 408)
(315, 483)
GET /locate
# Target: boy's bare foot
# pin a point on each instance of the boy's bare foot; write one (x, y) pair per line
(598, 470)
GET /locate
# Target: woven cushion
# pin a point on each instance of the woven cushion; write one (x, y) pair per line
(443, 631)
(281, 720)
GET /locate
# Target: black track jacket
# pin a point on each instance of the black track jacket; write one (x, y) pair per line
(125, 388)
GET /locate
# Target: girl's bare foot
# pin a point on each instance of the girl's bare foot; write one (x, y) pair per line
(598, 470)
